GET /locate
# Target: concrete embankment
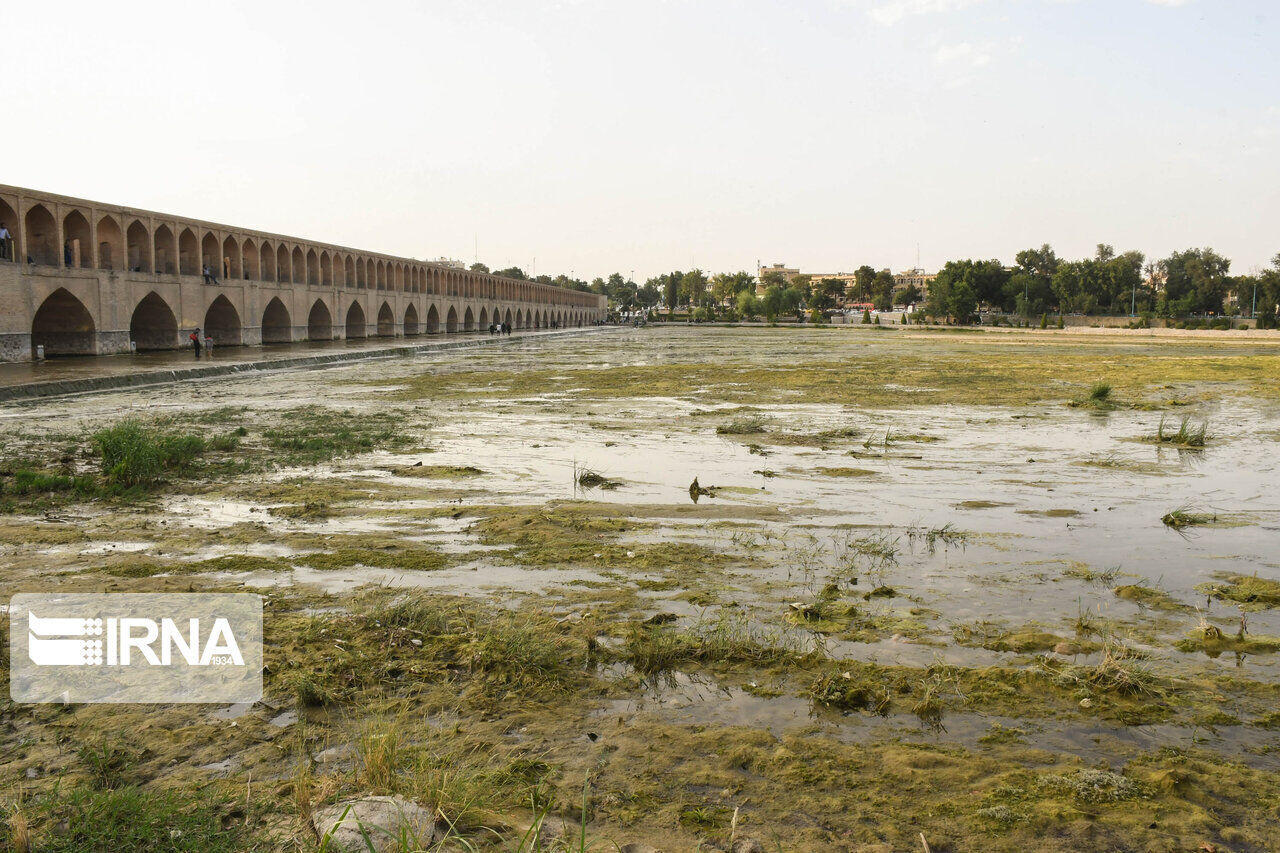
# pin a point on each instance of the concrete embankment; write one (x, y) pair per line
(89, 384)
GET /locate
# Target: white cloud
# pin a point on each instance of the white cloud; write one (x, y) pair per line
(965, 53)
(888, 12)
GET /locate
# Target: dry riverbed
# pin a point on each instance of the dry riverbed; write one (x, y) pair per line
(927, 583)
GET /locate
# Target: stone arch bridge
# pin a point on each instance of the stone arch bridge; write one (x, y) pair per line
(83, 278)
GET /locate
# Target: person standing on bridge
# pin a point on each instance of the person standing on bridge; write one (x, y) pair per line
(6, 243)
(196, 342)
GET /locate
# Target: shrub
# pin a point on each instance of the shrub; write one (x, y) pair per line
(133, 455)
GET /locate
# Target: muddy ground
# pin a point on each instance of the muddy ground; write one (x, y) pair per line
(930, 582)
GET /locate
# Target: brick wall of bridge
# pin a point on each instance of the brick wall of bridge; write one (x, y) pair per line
(82, 277)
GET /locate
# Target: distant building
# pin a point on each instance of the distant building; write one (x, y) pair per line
(914, 277)
(917, 277)
(451, 263)
(781, 269)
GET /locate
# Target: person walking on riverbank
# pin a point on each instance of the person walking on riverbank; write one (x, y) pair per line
(196, 342)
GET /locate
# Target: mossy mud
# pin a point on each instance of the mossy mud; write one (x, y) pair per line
(919, 595)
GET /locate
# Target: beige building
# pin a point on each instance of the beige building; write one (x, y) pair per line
(86, 278)
(917, 277)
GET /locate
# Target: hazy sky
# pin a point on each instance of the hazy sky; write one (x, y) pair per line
(646, 136)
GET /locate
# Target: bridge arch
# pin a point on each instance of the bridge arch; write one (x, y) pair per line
(137, 247)
(276, 327)
(411, 320)
(222, 322)
(9, 217)
(326, 269)
(249, 255)
(153, 325)
(75, 230)
(313, 267)
(433, 320)
(451, 320)
(357, 328)
(362, 274)
(381, 272)
(298, 266)
(284, 272)
(483, 321)
(349, 276)
(506, 321)
(230, 264)
(386, 322)
(188, 251)
(319, 322)
(63, 326)
(468, 321)
(42, 236)
(165, 250)
(110, 244)
(210, 253)
(267, 253)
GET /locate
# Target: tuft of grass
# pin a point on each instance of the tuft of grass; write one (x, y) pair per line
(109, 764)
(729, 638)
(1098, 398)
(25, 482)
(1149, 597)
(745, 425)
(1187, 434)
(1088, 574)
(1249, 590)
(846, 472)
(1181, 518)
(410, 559)
(524, 653)
(1117, 673)
(134, 819)
(378, 748)
(1093, 786)
(316, 434)
(587, 478)
(136, 455)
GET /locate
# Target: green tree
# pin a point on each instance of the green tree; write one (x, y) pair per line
(962, 301)
(1195, 282)
(792, 299)
(882, 290)
(748, 305)
(509, 272)
(693, 286)
(771, 302)
(863, 277)
(1030, 288)
(908, 295)
(671, 290)
(479, 267)
(650, 294)
(984, 282)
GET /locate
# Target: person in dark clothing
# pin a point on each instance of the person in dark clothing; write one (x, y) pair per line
(197, 342)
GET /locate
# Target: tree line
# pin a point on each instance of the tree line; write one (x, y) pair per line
(1187, 283)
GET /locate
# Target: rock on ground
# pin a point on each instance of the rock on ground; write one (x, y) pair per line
(383, 820)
